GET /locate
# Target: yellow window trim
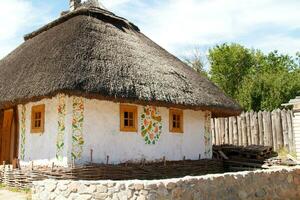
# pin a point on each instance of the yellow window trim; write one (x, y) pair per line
(179, 112)
(128, 108)
(34, 110)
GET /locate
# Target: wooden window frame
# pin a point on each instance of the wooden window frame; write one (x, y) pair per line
(176, 112)
(134, 110)
(34, 110)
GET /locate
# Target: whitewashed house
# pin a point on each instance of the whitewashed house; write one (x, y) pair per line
(296, 123)
(90, 86)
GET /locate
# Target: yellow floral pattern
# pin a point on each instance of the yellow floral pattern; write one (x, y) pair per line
(23, 132)
(151, 124)
(207, 135)
(60, 141)
(77, 128)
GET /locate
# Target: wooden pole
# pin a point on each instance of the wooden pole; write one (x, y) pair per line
(290, 131)
(278, 129)
(244, 129)
(213, 133)
(235, 131)
(226, 131)
(260, 128)
(249, 138)
(239, 130)
(285, 133)
(107, 160)
(230, 130)
(274, 136)
(91, 155)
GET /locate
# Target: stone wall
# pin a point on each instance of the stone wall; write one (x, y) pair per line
(261, 184)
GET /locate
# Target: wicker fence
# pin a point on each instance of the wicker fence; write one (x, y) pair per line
(23, 178)
(255, 128)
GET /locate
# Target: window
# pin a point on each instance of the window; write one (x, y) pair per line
(176, 121)
(128, 116)
(37, 119)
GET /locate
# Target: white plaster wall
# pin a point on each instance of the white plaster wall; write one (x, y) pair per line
(296, 127)
(103, 136)
(41, 147)
(101, 130)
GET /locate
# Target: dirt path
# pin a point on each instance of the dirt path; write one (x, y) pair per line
(5, 194)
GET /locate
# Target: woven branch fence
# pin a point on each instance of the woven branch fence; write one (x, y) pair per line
(23, 178)
(256, 128)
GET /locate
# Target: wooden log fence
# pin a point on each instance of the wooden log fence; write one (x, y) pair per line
(255, 128)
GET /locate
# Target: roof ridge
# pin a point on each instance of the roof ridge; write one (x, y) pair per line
(90, 11)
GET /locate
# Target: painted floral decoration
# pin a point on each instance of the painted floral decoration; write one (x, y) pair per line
(23, 131)
(60, 142)
(151, 124)
(207, 135)
(77, 128)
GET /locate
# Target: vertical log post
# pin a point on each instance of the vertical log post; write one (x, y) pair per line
(239, 131)
(260, 128)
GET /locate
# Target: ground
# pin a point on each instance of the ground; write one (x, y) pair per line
(6, 194)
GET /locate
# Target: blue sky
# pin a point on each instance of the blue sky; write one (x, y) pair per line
(179, 26)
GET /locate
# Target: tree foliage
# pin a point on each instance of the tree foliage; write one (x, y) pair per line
(258, 81)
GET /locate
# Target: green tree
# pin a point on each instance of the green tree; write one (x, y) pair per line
(256, 80)
(230, 63)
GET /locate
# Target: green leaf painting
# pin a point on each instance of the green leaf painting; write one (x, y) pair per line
(77, 128)
(207, 135)
(23, 132)
(151, 125)
(61, 112)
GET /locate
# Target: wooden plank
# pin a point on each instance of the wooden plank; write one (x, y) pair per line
(284, 129)
(249, 137)
(290, 131)
(244, 129)
(267, 124)
(213, 133)
(6, 136)
(274, 135)
(239, 129)
(235, 131)
(217, 131)
(226, 131)
(254, 128)
(230, 130)
(278, 129)
(222, 130)
(260, 128)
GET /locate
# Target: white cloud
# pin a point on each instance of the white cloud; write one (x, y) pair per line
(282, 43)
(17, 17)
(114, 3)
(206, 22)
(179, 24)
(176, 24)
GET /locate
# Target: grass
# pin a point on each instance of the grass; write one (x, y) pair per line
(12, 189)
(283, 152)
(17, 190)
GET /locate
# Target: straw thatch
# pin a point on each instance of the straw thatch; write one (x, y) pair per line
(93, 53)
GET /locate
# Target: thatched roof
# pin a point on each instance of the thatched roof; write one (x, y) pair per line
(94, 53)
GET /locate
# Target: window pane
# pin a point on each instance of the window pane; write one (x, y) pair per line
(174, 117)
(131, 115)
(174, 124)
(37, 115)
(125, 114)
(178, 118)
(126, 122)
(178, 124)
(131, 123)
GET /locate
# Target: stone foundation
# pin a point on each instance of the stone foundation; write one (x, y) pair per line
(261, 184)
